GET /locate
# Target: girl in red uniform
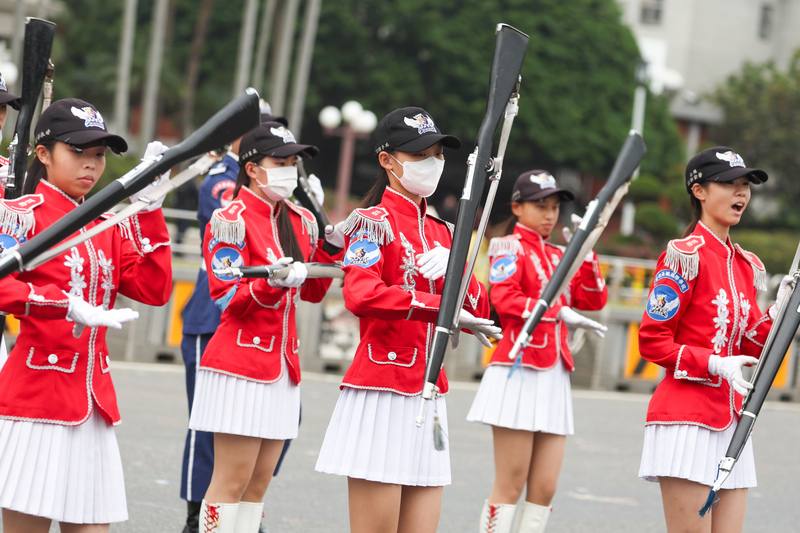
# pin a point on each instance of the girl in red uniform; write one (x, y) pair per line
(59, 458)
(530, 408)
(394, 272)
(702, 324)
(247, 390)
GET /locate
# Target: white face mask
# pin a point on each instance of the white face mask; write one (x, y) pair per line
(281, 182)
(421, 177)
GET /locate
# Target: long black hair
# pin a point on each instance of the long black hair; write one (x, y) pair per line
(375, 193)
(286, 235)
(36, 170)
(697, 213)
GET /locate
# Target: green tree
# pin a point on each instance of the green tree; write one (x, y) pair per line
(761, 107)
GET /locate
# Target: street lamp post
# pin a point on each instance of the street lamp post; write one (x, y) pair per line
(350, 123)
(637, 123)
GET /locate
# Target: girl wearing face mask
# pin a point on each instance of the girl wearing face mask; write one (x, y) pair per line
(247, 391)
(703, 325)
(528, 402)
(395, 261)
(59, 459)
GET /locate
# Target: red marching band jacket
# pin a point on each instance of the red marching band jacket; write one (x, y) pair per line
(51, 376)
(702, 303)
(522, 264)
(397, 308)
(257, 328)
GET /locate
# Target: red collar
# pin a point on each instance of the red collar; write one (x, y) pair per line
(398, 204)
(529, 236)
(55, 197)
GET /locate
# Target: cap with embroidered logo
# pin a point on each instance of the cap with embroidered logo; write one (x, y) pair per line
(536, 184)
(720, 164)
(7, 97)
(76, 122)
(410, 129)
(272, 139)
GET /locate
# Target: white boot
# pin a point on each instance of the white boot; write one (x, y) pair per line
(496, 517)
(218, 517)
(249, 517)
(534, 518)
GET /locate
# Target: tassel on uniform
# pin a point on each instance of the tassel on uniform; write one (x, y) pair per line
(373, 222)
(759, 278)
(687, 265)
(438, 431)
(500, 246)
(227, 230)
(15, 222)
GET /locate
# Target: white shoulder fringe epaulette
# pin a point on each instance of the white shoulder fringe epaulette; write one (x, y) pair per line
(508, 245)
(15, 222)
(225, 229)
(378, 231)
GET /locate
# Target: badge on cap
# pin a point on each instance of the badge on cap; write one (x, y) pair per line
(284, 134)
(733, 159)
(91, 117)
(544, 180)
(422, 122)
(3, 84)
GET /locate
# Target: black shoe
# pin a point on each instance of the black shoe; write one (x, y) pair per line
(192, 517)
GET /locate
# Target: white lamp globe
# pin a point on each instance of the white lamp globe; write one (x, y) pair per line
(330, 117)
(351, 110)
(365, 122)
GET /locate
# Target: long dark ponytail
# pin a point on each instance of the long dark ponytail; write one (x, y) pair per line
(375, 193)
(697, 213)
(36, 170)
(286, 236)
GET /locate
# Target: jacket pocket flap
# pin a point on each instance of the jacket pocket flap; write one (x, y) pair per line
(44, 359)
(394, 355)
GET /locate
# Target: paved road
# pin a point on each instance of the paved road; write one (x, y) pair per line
(599, 490)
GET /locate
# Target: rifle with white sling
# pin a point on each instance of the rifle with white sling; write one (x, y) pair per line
(510, 45)
(778, 342)
(594, 221)
(231, 122)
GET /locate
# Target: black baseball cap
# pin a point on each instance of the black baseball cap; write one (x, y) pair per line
(410, 129)
(272, 139)
(76, 122)
(7, 97)
(722, 165)
(536, 184)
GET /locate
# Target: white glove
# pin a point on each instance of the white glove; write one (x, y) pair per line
(336, 237)
(151, 153)
(85, 314)
(483, 328)
(784, 289)
(433, 263)
(730, 368)
(568, 232)
(316, 188)
(296, 274)
(574, 319)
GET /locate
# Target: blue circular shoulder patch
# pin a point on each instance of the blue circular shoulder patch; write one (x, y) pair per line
(7, 242)
(503, 268)
(226, 258)
(663, 303)
(362, 253)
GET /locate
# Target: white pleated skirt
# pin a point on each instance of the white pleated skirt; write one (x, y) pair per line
(529, 400)
(65, 473)
(692, 452)
(238, 406)
(372, 435)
